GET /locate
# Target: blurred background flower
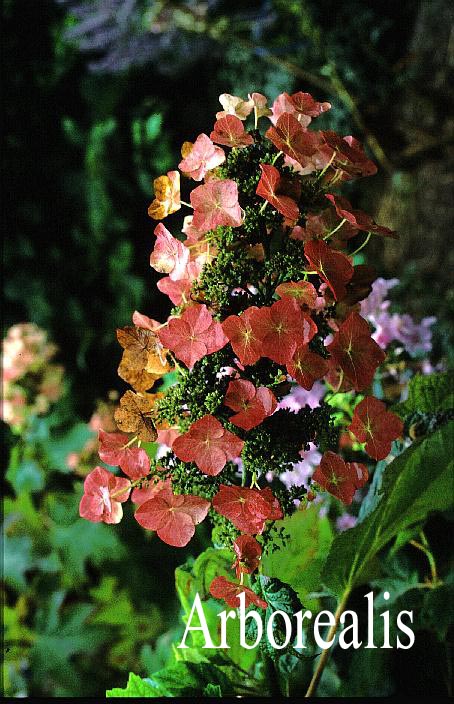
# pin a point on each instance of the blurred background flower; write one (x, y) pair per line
(30, 381)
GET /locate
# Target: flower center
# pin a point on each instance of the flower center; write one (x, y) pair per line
(106, 497)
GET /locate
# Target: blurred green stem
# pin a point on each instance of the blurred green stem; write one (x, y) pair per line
(425, 548)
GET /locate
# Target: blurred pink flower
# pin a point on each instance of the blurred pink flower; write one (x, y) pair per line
(302, 471)
(24, 347)
(414, 337)
(299, 397)
(345, 522)
(376, 302)
(30, 382)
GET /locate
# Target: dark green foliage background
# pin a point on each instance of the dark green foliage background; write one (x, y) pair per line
(80, 152)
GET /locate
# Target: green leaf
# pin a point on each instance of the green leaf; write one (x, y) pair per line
(136, 687)
(25, 476)
(417, 482)
(404, 536)
(84, 540)
(183, 679)
(76, 540)
(153, 126)
(58, 448)
(210, 564)
(17, 559)
(280, 597)
(196, 578)
(22, 509)
(428, 394)
(371, 500)
(164, 651)
(437, 613)
(150, 448)
(399, 577)
(300, 560)
(370, 671)
(60, 636)
(186, 679)
(212, 690)
(168, 380)
(330, 683)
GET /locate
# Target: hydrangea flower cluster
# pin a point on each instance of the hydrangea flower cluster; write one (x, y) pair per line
(31, 382)
(390, 329)
(266, 297)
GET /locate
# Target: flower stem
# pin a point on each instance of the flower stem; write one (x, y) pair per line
(425, 548)
(159, 327)
(323, 171)
(341, 379)
(369, 235)
(325, 654)
(336, 177)
(132, 485)
(131, 442)
(254, 484)
(338, 227)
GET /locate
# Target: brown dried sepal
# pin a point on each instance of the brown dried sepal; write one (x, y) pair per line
(144, 359)
(135, 415)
